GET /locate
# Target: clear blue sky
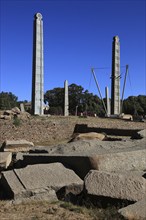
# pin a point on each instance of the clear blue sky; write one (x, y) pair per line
(77, 36)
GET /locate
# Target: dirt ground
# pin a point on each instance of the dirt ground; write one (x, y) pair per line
(53, 130)
(54, 211)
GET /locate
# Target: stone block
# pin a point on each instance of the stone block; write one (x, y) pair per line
(126, 186)
(25, 181)
(6, 117)
(127, 117)
(17, 145)
(89, 136)
(81, 162)
(139, 135)
(8, 112)
(16, 110)
(5, 159)
(12, 185)
(53, 175)
(135, 211)
(46, 194)
(126, 159)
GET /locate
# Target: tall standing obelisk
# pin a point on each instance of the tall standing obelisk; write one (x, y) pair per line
(38, 67)
(66, 111)
(115, 78)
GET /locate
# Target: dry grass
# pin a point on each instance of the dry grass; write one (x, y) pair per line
(40, 210)
(54, 211)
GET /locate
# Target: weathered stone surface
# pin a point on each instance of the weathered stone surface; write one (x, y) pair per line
(53, 175)
(18, 145)
(16, 110)
(127, 117)
(12, 185)
(115, 185)
(90, 136)
(136, 211)
(6, 117)
(5, 159)
(22, 107)
(128, 159)
(22, 182)
(82, 157)
(139, 135)
(142, 133)
(8, 112)
(43, 194)
(24, 116)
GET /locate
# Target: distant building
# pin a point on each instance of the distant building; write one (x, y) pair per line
(27, 106)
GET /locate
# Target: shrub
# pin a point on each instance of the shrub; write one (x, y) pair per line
(16, 122)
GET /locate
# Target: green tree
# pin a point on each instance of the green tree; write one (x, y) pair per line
(7, 100)
(78, 98)
(75, 98)
(135, 104)
(55, 98)
(92, 104)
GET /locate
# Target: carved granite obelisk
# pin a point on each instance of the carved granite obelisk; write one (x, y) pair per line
(66, 105)
(38, 67)
(115, 78)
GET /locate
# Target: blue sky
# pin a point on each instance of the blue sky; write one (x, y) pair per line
(77, 36)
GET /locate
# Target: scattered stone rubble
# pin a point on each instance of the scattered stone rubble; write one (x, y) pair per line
(114, 170)
(14, 113)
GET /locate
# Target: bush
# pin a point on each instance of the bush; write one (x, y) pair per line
(16, 122)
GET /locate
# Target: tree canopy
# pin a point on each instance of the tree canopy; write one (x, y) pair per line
(135, 105)
(79, 99)
(7, 100)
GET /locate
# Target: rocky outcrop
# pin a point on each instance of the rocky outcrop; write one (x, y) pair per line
(124, 186)
(136, 211)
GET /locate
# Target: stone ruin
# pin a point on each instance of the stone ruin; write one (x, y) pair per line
(15, 113)
(86, 167)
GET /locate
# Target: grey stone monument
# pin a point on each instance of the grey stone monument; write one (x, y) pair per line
(22, 107)
(107, 101)
(38, 67)
(115, 78)
(66, 105)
